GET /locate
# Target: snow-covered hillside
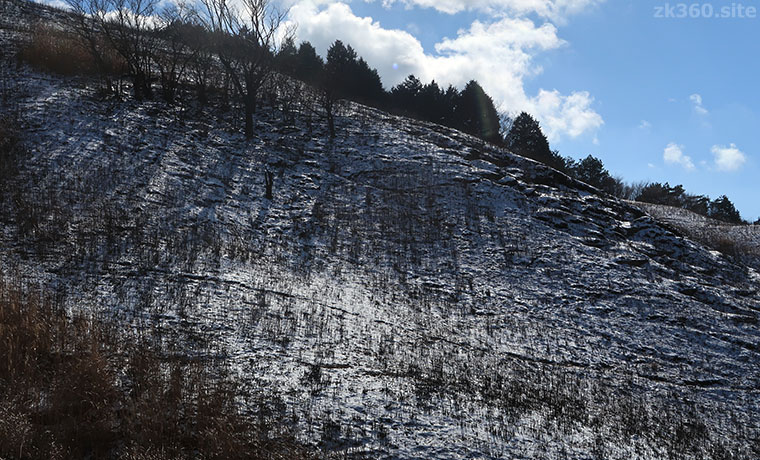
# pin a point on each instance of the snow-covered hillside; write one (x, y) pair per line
(408, 292)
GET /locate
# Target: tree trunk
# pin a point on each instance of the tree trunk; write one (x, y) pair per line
(202, 95)
(141, 86)
(331, 123)
(248, 120)
(269, 178)
(329, 106)
(137, 87)
(250, 109)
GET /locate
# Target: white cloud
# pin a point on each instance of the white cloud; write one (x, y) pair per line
(395, 53)
(728, 158)
(55, 4)
(673, 154)
(645, 125)
(696, 99)
(556, 10)
(499, 55)
(571, 115)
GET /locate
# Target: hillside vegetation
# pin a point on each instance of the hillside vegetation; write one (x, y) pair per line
(400, 290)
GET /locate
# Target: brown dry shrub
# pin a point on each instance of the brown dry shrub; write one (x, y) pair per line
(57, 51)
(79, 388)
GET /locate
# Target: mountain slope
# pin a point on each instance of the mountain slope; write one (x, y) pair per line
(409, 291)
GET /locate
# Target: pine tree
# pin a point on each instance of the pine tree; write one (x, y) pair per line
(476, 113)
(723, 209)
(309, 65)
(591, 170)
(366, 87)
(287, 57)
(405, 96)
(341, 61)
(526, 139)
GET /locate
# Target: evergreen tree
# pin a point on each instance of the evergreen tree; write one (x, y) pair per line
(341, 60)
(699, 204)
(476, 113)
(526, 139)
(405, 96)
(723, 209)
(352, 77)
(432, 106)
(657, 193)
(286, 60)
(591, 170)
(449, 101)
(367, 87)
(309, 65)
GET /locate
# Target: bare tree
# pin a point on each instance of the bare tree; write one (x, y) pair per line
(129, 27)
(329, 100)
(202, 64)
(246, 40)
(175, 52)
(88, 31)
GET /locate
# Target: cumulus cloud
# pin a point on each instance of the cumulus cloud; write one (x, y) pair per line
(499, 55)
(696, 99)
(571, 115)
(395, 53)
(674, 155)
(728, 158)
(556, 10)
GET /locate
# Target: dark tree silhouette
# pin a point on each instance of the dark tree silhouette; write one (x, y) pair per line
(366, 87)
(333, 81)
(699, 204)
(341, 60)
(126, 26)
(174, 58)
(657, 193)
(310, 66)
(526, 139)
(476, 113)
(287, 57)
(591, 170)
(246, 42)
(405, 96)
(201, 66)
(351, 76)
(723, 209)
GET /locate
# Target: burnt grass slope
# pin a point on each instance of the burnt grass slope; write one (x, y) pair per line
(408, 291)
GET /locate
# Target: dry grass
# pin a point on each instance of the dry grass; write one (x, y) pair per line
(79, 388)
(740, 242)
(53, 50)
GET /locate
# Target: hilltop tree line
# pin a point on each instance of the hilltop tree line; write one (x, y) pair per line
(237, 48)
(345, 75)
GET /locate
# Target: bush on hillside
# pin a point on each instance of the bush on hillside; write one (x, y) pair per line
(56, 51)
(75, 387)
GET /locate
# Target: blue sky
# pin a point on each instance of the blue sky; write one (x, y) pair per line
(657, 99)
